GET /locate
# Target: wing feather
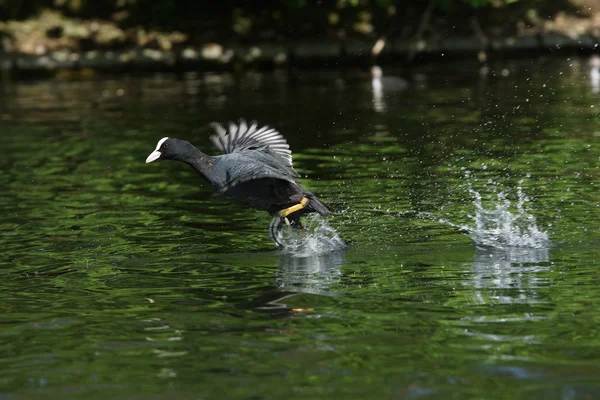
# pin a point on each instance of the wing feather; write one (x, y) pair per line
(241, 136)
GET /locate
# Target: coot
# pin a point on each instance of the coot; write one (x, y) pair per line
(255, 169)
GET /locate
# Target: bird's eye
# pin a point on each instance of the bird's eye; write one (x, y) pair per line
(166, 146)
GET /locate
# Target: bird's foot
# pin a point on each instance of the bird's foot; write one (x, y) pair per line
(281, 218)
(275, 227)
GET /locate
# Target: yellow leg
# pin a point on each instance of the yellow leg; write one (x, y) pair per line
(287, 211)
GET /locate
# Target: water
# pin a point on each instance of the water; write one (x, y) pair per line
(122, 279)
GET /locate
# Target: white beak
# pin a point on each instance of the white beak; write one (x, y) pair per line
(155, 155)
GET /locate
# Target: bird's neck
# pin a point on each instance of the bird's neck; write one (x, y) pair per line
(200, 162)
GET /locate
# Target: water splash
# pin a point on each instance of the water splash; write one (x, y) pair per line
(317, 237)
(499, 227)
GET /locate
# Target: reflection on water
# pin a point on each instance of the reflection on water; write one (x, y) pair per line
(309, 273)
(594, 73)
(381, 84)
(509, 275)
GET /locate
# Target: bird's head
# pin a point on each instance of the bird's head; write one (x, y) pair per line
(169, 149)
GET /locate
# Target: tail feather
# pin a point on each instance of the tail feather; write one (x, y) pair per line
(317, 205)
(314, 205)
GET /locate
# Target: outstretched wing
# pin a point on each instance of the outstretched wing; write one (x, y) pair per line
(241, 137)
(247, 169)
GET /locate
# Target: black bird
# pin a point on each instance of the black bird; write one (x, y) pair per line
(255, 169)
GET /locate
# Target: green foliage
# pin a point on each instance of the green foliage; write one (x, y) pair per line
(294, 3)
(144, 9)
(448, 5)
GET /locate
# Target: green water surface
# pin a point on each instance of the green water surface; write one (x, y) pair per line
(126, 280)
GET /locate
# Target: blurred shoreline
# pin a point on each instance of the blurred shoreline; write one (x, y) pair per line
(52, 42)
(301, 54)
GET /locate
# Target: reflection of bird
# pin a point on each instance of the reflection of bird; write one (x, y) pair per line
(595, 73)
(255, 170)
(386, 83)
(315, 273)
